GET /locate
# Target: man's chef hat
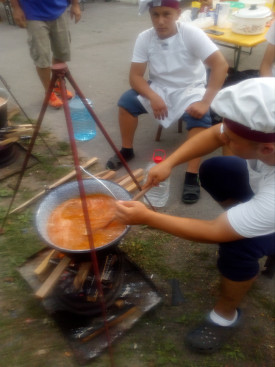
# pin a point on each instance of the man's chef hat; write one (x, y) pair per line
(147, 4)
(248, 108)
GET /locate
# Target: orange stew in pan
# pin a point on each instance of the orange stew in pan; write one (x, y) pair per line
(66, 226)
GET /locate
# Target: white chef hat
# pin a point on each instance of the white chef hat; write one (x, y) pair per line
(248, 108)
(147, 4)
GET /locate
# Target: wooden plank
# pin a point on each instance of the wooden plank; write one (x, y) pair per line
(44, 263)
(131, 312)
(8, 141)
(62, 180)
(107, 175)
(129, 179)
(132, 186)
(49, 283)
(136, 173)
(13, 112)
(81, 275)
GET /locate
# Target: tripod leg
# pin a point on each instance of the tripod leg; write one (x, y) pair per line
(104, 132)
(30, 148)
(61, 74)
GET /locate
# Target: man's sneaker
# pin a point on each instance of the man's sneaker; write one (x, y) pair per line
(55, 101)
(57, 91)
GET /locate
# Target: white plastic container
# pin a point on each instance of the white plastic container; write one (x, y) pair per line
(223, 10)
(250, 21)
(158, 195)
(248, 3)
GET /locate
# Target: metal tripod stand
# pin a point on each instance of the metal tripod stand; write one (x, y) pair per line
(59, 73)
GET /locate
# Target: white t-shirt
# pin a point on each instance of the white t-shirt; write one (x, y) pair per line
(256, 217)
(270, 37)
(176, 68)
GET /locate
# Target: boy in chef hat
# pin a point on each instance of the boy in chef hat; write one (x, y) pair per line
(243, 184)
(175, 54)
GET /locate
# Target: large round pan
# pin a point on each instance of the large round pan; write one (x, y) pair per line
(69, 191)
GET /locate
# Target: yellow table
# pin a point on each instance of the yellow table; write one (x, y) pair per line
(237, 40)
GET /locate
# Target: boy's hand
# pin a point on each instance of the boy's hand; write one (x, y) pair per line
(131, 212)
(159, 107)
(157, 174)
(197, 109)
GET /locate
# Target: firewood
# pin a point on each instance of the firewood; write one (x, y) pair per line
(129, 179)
(44, 264)
(54, 185)
(50, 282)
(81, 275)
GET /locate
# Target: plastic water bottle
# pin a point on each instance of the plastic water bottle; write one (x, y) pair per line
(83, 123)
(158, 195)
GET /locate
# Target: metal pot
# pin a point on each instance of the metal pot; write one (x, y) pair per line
(250, 21)
(69, 191)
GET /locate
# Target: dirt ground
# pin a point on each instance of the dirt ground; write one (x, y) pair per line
(30, 336)
(102, 44)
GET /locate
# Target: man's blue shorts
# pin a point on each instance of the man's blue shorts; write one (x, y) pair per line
(227, 178)
(130, 103)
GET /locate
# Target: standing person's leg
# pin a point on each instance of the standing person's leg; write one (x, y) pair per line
(44, 76)
(39, 43)
(191, 187)
(40, 50)
(60, 40)
(129, 110)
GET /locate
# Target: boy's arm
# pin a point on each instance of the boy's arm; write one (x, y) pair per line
(199, 145)
(209, 231)
(18, 14)
(218, 70)
(267, 62)
(141, 86)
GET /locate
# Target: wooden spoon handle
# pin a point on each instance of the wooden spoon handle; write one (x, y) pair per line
(141, 193)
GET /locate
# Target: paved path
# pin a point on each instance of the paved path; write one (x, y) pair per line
(102, 44)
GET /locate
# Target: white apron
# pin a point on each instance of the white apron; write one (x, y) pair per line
(178, 78)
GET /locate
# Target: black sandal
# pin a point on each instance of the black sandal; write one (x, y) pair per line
(191, 193)
(209, 337)
(114, 163)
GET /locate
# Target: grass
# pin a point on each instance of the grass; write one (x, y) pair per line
(30, 337)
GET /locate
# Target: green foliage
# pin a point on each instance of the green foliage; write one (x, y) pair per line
(233, 352)
(5, 192)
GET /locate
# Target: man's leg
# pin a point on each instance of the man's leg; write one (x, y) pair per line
(194, 164)
(191, 187)
(45, 76)
(39, 42)
(239, 268)
(127, 124)
(231, 295)
(129, 110)
(227, 180)
(61, 45)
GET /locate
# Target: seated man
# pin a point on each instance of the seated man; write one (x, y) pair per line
(175, 54)
(268, 63)
(244, 184)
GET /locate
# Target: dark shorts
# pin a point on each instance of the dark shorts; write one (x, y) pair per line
(227, 178)
(130, 103)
